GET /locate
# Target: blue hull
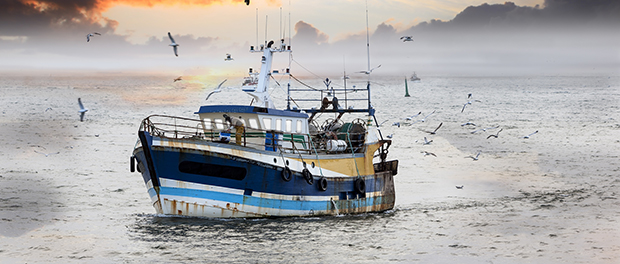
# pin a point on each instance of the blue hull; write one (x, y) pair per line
(185, 181)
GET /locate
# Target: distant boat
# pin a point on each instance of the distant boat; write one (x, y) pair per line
(414, 77)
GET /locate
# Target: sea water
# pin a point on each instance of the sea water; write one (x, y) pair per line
(552, 198)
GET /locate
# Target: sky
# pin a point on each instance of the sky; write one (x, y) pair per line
(328, 36)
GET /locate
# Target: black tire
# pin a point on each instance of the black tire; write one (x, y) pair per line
(308, 176)
(360, 186)
(322, 184)
(287, 175)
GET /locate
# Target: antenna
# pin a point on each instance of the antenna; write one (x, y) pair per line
(257, 27)
(367, 41)
(281, 37)
(266, 19)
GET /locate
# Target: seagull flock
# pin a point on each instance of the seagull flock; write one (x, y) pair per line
(414, 119)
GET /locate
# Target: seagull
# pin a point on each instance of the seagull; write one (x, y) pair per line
(474, 158)
(434, 131)
(228, 57)
(423, 119)
(390, 135)
(396, 124)
(82, 110)
(217, 90)
(426, 153)
(368, 72)
(459, 187)
(468, 124)
(528, 136)
(426, 142)
(46, 154)
(382, 123)
(49, 108)
(496, 134)
(468, 96)
(174, 45)
(406, 38)
(91, 35)
(484, 129)
(178, 79)
(468, 103)
(409, 118)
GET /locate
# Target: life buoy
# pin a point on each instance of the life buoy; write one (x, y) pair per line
(360, 185)
(132, 164)
(308, 176)
(287, 175)
(322, 184)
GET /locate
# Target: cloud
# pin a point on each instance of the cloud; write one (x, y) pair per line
(307, 34)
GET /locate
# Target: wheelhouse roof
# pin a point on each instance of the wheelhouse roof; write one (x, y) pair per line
(248, 109)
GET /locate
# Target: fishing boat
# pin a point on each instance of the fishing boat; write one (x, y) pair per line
(254, 160)
(414, 77)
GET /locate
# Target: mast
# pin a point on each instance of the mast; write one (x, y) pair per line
(368, 56)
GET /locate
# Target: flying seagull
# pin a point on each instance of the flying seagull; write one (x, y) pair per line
(390, 135)
(228, 57)
(178, 79)
(483, 129)
(468, 103)
(528, 136)
(496, 134)
(427, 142)
(409, 118)
(468, 124)
(474, 158)
(406, 38)
(217, 90)
(459, 187)
(423, 119)
(368, 72)
(396, 124)
(91, 35)
(426, 153)
(434, 131)
(174, 45)
(82, 110)
(46, 154)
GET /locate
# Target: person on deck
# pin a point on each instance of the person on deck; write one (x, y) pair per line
(238, 125)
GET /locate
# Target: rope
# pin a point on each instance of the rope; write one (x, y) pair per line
(352, 152)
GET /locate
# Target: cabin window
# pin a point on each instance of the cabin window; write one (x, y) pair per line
(298, 126)
(289, 125)
(279, 124)
(219, 123)
(253, 123)
(267, 123)
(207, 124)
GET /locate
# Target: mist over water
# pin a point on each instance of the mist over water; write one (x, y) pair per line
(552, 198)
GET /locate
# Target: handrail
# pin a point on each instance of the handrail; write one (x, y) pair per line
(195, 129)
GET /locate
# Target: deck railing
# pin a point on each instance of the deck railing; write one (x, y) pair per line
(271, 140)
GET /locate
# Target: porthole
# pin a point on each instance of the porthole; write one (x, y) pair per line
(275, 160)
(313, 164)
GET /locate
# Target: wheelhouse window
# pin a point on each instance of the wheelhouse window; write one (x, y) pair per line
(289, 125)
(219, 123)
(253, 123)
(207, 124)
(298, 126)
(279, 124)
(267, 124)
